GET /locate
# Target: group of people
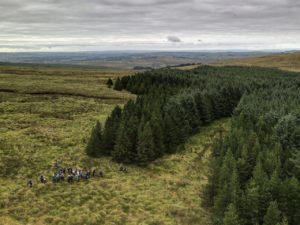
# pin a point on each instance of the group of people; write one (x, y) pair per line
(71, 174)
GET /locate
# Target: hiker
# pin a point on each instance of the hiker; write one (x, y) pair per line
(42, 179)
(55, 178)
(62, 177)
(56, 165)
(85, 175)
(77, 177)
(29, 183)
(88, 174)
(123, 169)
(70, 170)
(70, 179)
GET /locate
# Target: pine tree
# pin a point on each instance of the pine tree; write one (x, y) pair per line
(296, 162)
(207, 113)
(158, 135)
(288, 130)
(123, 145)
(250, 206)
(110, 131)
(225, 195)
(244, 166)
(95, 142)
(145, 147)
(234, 187)
(109, 83)
(231, 216)
(261, 180)
(284, 221)
(275, 183)
(259, 175)
(273, 214)
(118, 85)
(289, 199)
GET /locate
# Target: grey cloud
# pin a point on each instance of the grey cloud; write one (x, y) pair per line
(173, 39)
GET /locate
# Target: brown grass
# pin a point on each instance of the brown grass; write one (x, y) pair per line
(288, 61)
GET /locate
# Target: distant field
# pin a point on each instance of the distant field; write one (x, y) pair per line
(288, 61)
(55, 124)
(60, 81)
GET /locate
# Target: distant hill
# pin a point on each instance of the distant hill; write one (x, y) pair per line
(137, 60)
(286, 61)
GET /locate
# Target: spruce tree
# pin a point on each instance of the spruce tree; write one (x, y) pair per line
(288, 130)
(118, 85)
(273, 214)
(231, 216)
(289, 199)
(158, 135)
(109, 83)
(284, 221)
(251, 209)
(296, 162)
(95, 142)
(145, 146)
(123, 145)
(110, 130)
(224, 193)
(234, 187)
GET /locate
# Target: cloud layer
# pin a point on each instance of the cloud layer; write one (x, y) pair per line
(154, 24)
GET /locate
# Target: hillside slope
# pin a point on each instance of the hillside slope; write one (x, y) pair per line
(287, 61)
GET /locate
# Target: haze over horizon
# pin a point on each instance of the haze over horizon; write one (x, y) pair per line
(166, 25)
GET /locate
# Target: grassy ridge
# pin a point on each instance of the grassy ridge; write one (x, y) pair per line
(45, 80)
(36, 130)
(288, 61)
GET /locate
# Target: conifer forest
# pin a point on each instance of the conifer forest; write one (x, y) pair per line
(254, 167)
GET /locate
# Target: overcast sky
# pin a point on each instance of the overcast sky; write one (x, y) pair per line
(87, 25)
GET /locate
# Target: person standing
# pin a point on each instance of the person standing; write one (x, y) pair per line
(29, 183)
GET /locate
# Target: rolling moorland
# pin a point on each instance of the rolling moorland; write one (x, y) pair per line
(46, 115)
(48, 112)
(123, 60)
(286, 61)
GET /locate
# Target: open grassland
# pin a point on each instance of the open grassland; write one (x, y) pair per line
(288, 61)
(38, 129)
(60, 81)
